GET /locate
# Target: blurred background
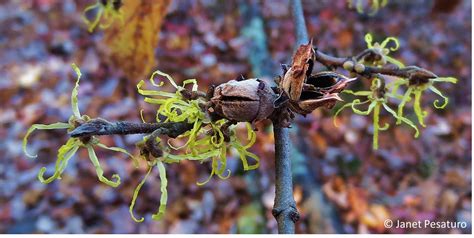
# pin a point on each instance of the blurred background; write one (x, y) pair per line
(340, 184)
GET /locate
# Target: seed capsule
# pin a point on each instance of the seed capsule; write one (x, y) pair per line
(243, 101)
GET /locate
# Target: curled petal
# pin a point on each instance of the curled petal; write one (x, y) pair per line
(57, 125)
(404, 119)
(223, 160)
(375, 7)
(75, 92)
(387, 40)
(355, 102)
(244, 154)
(368, 40)
(153, 92)
(364, 113)
(207, 180)
(191, 81)
(65, 153)
(95, 22)
(164, 192)
(167, 76)
(251, 136)
(99, 170)
(406, 98)
(135, 195)
(384, 127)
(418, 110)
(435, 103)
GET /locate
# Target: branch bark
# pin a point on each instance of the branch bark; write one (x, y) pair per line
(284, 208)
(99, 126)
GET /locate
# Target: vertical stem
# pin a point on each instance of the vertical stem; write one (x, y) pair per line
(298, 19)
(284, 209)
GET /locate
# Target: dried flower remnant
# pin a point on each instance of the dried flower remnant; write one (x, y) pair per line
(67, 151)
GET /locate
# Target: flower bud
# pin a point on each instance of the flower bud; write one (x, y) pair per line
(359, 68)
(348, 65)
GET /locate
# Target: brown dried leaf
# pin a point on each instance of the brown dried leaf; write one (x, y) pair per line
(133, 43)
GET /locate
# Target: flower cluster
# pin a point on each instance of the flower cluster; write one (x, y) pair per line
(67, 151)
(382, 94)
(206, 140)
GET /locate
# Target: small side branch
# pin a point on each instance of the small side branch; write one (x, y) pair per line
(99, 126)
(390, 69)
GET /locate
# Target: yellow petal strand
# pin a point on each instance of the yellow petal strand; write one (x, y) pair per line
(164, 192)
(135, 195)
(57, 125)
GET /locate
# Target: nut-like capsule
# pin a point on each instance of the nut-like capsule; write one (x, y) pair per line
(243, 101)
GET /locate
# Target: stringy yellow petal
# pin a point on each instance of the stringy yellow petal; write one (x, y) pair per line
(135, 195)
(99, 170)
(57, 125)
(164, 192)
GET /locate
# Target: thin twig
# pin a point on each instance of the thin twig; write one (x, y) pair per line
(390, 69)
(99, 126)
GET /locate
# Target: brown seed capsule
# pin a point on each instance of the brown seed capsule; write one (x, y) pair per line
(301, 67)
(320, 89)
(246, 100)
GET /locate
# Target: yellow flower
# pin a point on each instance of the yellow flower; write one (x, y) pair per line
(67, 151)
